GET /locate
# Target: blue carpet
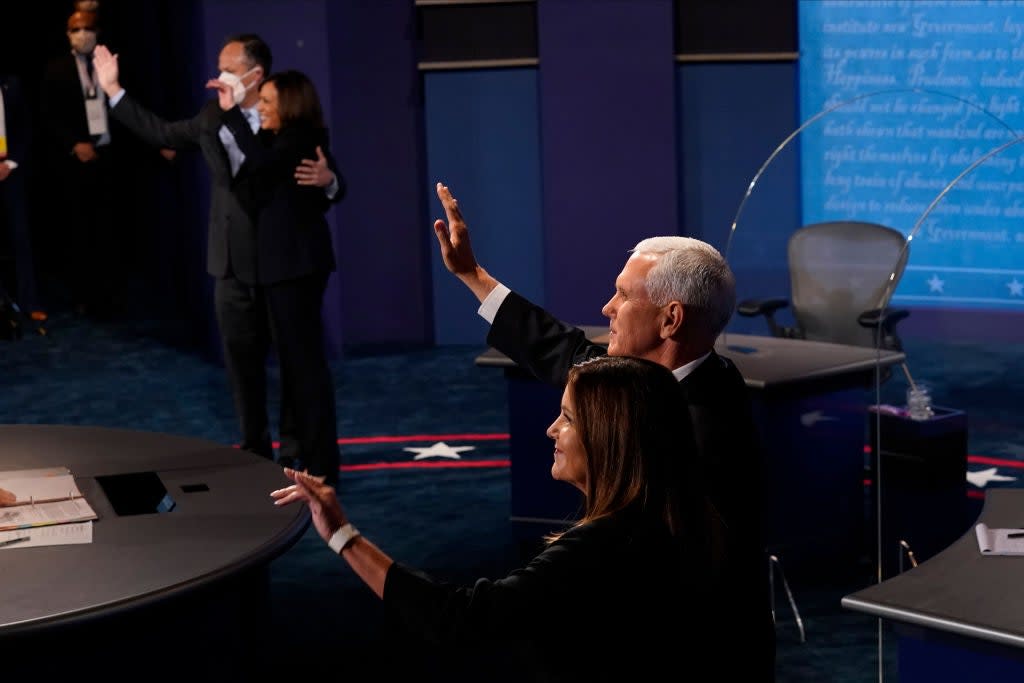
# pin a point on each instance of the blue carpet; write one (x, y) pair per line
(451, 521)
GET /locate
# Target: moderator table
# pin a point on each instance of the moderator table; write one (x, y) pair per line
(182, 591)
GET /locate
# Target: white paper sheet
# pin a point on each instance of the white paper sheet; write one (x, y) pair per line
(999, 541)
(56, 534)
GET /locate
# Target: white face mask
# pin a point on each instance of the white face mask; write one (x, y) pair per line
(83, 42)
(238, 89)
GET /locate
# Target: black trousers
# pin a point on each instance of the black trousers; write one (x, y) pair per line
(287, 317)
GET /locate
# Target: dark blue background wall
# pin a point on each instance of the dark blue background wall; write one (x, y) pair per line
(561, 167)
(561, 163)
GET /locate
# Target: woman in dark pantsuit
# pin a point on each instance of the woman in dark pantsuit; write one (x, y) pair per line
(294, 257)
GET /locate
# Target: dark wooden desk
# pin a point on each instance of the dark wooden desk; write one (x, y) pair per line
(191, 581)
(960, 615)
(810, 401)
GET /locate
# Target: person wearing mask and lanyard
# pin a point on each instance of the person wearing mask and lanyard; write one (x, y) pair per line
(86, 179)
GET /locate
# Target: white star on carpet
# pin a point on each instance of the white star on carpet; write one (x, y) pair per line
(982, 478)
(935, 284)
(1016, 287)
(438, 450)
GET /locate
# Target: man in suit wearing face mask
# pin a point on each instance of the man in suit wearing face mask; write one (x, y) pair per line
(87, 183)
(246, 304)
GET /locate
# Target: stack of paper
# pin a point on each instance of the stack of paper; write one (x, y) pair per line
(993, 541)
(48, 509)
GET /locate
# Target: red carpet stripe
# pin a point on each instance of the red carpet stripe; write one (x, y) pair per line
(420, 464)
(353, 440)
(424, 464)
(1000, 462)
(979, 460)
(422, 437)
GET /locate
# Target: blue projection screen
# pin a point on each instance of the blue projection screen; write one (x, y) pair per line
(912, 115)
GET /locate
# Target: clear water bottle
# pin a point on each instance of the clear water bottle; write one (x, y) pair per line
(919, 403)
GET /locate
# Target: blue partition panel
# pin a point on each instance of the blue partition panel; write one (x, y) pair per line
(381, 285)
(607, 110)
(721, 148)
(483, 142)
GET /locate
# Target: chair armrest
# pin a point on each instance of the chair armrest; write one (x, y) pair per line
(765, 307)
(884, 318)
(883, 321)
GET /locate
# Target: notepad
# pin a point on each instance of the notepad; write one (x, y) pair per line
(999, 541)
(42, 489)
(42, 500)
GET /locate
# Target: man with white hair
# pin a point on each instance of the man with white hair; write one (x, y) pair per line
(672, 299)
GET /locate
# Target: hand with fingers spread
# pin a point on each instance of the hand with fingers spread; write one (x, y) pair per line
(368, 561)
(324, 507)
(456, 249)
(314, 172)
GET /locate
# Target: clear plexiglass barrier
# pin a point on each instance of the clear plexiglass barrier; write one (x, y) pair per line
(883, 324)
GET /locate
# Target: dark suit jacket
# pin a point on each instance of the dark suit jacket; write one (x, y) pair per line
(727, 445)
(606, 602)
(231, 243)
(292, 236)
(62, 107)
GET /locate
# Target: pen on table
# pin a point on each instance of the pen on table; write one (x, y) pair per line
(19, 539)
(1016, 534)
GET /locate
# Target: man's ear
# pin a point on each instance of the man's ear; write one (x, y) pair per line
(673, 315)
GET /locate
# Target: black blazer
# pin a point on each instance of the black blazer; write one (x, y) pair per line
(62, 106)
(727, 446)
(606, 602)
(292, 235)
(231, 239)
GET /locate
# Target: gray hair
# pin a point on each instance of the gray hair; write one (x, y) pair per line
(694, 273)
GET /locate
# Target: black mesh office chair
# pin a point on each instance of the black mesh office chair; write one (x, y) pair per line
(839, 275)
